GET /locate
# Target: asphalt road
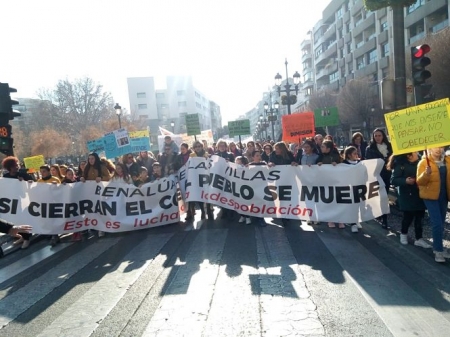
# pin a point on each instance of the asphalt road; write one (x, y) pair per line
(222, 278)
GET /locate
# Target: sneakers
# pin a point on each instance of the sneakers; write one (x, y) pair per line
(439, 257)
(359, 225)
(354, 228)
(444, 253)
(248, 221)
(404, 239)
(241, 219)
(101, 234)
(25, 244)
(421, 243)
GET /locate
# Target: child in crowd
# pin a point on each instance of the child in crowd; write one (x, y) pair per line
(242, 161)
(351, 158)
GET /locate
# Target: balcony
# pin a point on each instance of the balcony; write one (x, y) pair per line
(305, 43)
(416, 38)
(331, 51)
(439, 26)
(330, 32)
(306, 56)
(321, 74)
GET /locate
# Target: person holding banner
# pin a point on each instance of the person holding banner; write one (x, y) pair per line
(11, 164)
(132, 167)
(380, 147)
(433, 179)
(200, 152)
(404, 170)
(360, 144)
(184, 155)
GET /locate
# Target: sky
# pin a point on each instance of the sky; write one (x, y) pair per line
(232, 49)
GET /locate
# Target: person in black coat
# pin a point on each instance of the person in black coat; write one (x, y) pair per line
(222, 152)
(281, 156)
(380, 147)
(404, 170)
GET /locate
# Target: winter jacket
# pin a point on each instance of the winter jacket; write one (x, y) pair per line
(430, 184)
(408, 198)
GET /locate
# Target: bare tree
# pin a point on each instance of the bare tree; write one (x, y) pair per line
(50, 143)
(75, 105)
(356, 101)
(322, 99)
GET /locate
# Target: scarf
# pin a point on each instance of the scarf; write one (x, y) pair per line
(383, 149)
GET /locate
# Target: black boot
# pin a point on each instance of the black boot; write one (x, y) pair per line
(384, 223)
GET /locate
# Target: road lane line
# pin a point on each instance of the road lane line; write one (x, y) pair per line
(404, 312)
(185, 306)
(30, 260)
(84, 316)
(25, 297)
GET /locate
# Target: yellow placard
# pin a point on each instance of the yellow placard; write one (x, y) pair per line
(34, 162)
(419, 127)
(139, 134)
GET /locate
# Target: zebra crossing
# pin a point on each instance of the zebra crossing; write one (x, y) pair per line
(226, 279)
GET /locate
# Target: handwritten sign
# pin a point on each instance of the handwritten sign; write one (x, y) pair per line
(117, 143)
(298, 126)
(192, 124)
(139, 134)
(140, 144)
(96, 145)
(419, 127)
(239, 128)
(34, 162)
(326, 117)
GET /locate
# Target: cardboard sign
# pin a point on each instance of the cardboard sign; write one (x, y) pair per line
(96, 145)
(34, 162)
(139, 134)
(298, 126)
(419, 127)
(140, 144)
(192, 124)
(326, 117)
(239, 128)
(117, 143)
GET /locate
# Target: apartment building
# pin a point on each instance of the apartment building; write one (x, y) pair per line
(162, 107)
(349, 42)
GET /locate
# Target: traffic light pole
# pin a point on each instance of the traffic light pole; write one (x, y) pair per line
(399, 56)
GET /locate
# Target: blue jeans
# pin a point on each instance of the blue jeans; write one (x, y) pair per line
(437, 210)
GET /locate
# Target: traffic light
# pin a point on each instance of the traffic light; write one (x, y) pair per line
(7, 113)
(418, 63)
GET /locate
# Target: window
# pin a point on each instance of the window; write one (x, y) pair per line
(181, 92)
(385, 50)
(372, 56)
(384, 26)
(415, 6)
(358, 18)
(159, 95)
(350, 68)
(142, 106)
(360, 63)
(334, 77)
(347, 27)
(164, 106)
(339, 13)
(182, 104)
(141, 95)
(340, 33)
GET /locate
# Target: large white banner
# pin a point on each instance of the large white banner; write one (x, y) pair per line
(110, 207)
(341, 193)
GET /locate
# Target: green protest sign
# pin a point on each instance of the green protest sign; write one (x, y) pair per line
(326, 117)
(192, 124)
(239, 128)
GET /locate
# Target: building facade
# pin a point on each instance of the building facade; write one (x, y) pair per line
(349, 42)
(169, 106)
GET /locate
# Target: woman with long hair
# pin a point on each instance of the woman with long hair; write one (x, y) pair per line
(80, 170)
(380, 147)
(234, 150)
(56, 172)
(360, 144)
(121, 175)
(433, 179)
(267, 150)
(281, 156)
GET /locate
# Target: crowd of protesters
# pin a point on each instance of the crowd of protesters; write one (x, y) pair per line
(422, 184)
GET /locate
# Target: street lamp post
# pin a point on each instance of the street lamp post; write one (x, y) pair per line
(172, 124)
(118, 109)
(271, 111)
(287, 86)
(264, 124)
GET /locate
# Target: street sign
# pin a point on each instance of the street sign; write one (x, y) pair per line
(239, 128)
(326, 117)
(193, 124)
